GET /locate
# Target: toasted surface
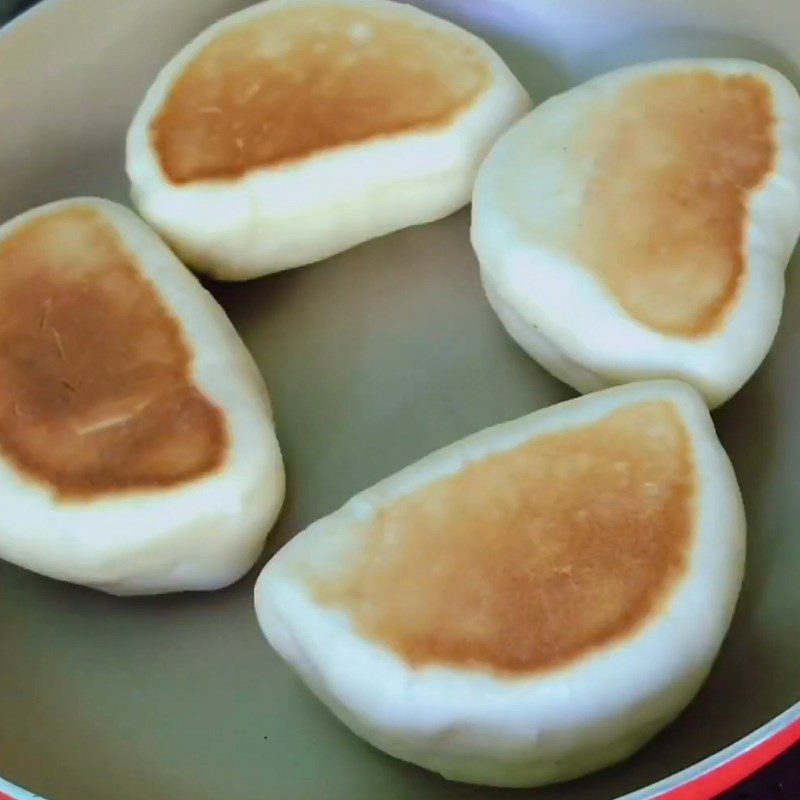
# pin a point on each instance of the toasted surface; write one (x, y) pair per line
(529, 559)
(664, 217)
(96, 394)
(297, 81)
(657, 204)
(530, 603)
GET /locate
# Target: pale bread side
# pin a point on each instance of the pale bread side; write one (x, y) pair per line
(533, 198)
(474, 723)
(305, 208)
(144, 534)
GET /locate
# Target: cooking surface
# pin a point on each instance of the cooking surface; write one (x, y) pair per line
(373, 358)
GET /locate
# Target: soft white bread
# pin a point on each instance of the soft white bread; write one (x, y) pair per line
(295, 129)
(137, 449)
(639, 225)
(529, 604)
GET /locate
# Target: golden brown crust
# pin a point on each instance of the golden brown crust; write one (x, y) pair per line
(531, 559)
(296, 82)
(96, 394)
(665, 217)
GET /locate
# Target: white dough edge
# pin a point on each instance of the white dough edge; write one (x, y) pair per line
(293, 214)
(566, 319)
(475, 727)
(200, 535)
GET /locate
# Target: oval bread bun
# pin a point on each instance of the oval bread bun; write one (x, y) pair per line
(137, 449)
(639, 225)
(529, 604)
(295, 129)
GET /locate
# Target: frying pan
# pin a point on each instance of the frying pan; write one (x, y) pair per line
(373, 358)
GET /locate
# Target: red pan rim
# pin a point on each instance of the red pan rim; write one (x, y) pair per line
(703, 781)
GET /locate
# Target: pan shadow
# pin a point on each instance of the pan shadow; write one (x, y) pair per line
(681, 42)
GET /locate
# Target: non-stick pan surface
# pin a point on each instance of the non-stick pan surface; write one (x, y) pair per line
(373, 359)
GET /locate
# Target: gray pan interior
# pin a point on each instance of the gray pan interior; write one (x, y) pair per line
(373, 358)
